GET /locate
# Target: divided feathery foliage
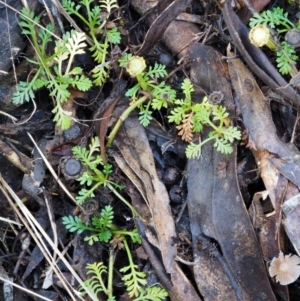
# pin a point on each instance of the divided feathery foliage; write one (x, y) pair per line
(160, 94)
(96, 284)
(103, 230)
(192, 117)
(124, 59)
(189, 117)
(272, 18)
(134, 281)
(101, 36)
(277, 19)
(101, 226)
(93, 177)
(286, 58)
(51, 75)
(154, 293)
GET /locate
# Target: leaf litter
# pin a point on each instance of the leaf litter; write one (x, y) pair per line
(230, 253)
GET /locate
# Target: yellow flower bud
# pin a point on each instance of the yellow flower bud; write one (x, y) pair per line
(260, 35)
(135, 66)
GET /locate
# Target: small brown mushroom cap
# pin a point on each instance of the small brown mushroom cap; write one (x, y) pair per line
(285, 268)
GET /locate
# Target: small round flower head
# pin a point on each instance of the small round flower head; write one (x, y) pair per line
(135, 65)
(285, 268)
(260, 35)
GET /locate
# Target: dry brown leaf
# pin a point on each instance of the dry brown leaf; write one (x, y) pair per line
(186, 128)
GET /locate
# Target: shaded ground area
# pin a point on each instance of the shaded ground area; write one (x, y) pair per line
(115, 199)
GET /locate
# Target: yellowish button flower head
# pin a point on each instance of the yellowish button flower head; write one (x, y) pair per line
(285, 268)
(260, 35)
(135, 66)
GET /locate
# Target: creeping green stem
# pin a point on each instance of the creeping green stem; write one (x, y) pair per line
(124, 115)
(131, 263)
(142, 82)
(115, 192)
(110, 274)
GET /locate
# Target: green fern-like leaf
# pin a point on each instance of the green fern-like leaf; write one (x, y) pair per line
(91, 239)
(201, 117)
(99, 52)
(50, 75)
(45, 35)
(82, 83)
(63, 79)
(114, 36)
(95, 161)
(28, 20)
(105, 235)
(71, 6)
(94, 147)
(145, 116)
(134, 281)
(204, 114)
(177, 114)
(25, 91)
(219, 113)
(193, 150)
(93, 176)
(100, 226)
(86, 156)
(162, 96)
(124, 59)
(107, 169)
(132, 92)
(154, 293)
(76, 71)
(40, 83)
(187, 89)
(86, 179)
(73, 224)
(286, 58)
(96, 283)
(99, 49)
(84, 194)
(272, 18)
(100, 74)
(223, 146)
(61, 117)
(135, 236)
(231, 133)
(106, 217)
(94, 17)
(81, 153)
(158, 70)
(59, 91)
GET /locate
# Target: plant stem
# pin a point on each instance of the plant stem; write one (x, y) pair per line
(211, 124)
(131, 263)
(206, 140)
(142, 82)
(124, 115)
(115, 192)
(75, 12)
(110, 274)
(69, 63)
